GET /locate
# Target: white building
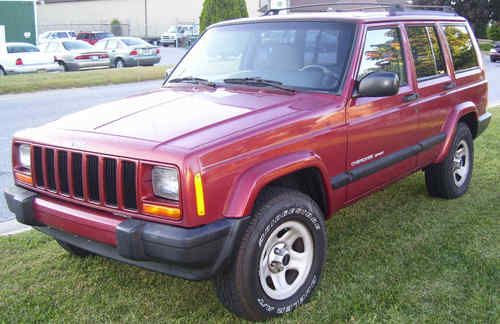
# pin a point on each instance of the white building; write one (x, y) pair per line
(140, 17)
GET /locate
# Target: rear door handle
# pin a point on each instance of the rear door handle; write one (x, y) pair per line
(450, 86)
(410, 97)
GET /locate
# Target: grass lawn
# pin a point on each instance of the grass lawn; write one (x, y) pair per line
(45, 81)
(397, 256)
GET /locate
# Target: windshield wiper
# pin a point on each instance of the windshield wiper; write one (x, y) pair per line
(193, 80)
(256, 81)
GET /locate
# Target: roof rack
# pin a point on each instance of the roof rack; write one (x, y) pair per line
(393, 9)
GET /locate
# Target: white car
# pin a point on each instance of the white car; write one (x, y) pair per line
(18, 58)
(57, 35)
(178, 35)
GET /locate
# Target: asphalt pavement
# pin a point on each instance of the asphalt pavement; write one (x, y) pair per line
(33, 109)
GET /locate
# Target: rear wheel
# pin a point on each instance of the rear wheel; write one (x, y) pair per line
(279, 261)
(2, 72)
(63, 65)
(493, 59)
(451, 178)
(119, 64)
(74, 249)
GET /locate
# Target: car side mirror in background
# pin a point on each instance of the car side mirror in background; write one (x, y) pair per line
(379, 84)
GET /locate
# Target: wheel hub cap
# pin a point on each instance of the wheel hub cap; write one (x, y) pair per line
(461, 163)
(286, 260)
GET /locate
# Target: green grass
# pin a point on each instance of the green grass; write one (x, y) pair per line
(45, 81)
(397, 256)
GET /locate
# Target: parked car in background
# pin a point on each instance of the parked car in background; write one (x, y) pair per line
(55, 35)
(129, 51)
(495, 52)
(74, 55)
(179, 35)
(93, 37)
(25, 58)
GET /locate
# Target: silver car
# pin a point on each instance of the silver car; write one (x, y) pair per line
(129, 51)
(74, 55)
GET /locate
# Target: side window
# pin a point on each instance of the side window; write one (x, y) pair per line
(462, 50)
(112, 44)
(426, 51)
(383, 52)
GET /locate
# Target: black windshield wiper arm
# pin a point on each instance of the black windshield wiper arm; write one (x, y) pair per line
(255, 81)
(194, 81)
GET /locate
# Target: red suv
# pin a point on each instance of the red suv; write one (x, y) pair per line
(264, 130)
(93, 37)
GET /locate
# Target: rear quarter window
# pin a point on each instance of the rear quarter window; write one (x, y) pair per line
(461, 47)
(426, 51)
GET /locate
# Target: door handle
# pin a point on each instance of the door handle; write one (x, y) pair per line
(410, 97)
(450, 86)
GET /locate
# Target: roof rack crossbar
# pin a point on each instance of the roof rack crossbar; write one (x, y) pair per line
(393, 9)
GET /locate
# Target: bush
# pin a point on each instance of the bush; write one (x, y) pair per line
(494, 32)
(219, 10)
(116, 27)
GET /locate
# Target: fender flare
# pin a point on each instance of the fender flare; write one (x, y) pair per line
(450, 126)
(249, 184)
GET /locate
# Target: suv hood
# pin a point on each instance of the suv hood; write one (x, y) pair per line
(180, 115)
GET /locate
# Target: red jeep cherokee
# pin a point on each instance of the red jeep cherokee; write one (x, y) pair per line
(264, 130)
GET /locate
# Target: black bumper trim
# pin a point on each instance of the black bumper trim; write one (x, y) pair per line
(191, 253)
(483, 122)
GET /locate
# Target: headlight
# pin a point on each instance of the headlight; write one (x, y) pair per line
(166, 183)
(25, 156)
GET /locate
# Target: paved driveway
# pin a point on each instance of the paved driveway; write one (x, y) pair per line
(29, 110)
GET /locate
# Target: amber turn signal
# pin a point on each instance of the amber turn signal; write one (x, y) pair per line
(162, 211)
(24, 178)
(200, 196)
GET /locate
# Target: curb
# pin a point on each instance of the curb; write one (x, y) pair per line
(12, 227)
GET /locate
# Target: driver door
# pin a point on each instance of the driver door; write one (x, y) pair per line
(381, 128)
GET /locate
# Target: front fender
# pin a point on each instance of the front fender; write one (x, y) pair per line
(249, 184)
(450, 126)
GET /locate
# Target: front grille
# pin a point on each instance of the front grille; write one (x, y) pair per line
(96, 179)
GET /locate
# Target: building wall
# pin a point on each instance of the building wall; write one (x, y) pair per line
(160, 14)
(19, 20)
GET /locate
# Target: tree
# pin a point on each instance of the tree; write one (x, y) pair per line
(478, 12)
(494, 32)
(219, 10)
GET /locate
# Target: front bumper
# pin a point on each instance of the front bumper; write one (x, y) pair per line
(194, 254)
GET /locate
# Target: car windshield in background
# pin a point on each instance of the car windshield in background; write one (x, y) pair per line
(103, 35)
(303, 55)
(134, 42)
(76, 45)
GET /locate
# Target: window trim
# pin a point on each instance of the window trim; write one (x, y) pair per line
(469, 32)
(441, 48)
(362, 50)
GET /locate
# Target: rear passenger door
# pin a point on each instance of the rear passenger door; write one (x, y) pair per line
(434, 84)
(380, 127)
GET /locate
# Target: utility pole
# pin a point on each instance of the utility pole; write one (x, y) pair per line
(146, 18)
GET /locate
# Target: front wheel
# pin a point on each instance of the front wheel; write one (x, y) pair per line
(451, 178)
(279, 261)
(119, 64)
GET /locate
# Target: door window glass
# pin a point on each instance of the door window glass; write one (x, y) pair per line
(426, 52)
(462, 50)
(383, 52)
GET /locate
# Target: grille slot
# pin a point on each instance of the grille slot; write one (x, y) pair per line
(93, 177)
(76, 172)
(62, 166)
(128, 185)
(50, 169)
(38, 166)
(110, 181)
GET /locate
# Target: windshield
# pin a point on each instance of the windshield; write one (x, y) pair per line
(77, 45)
(134, 42)
(304, 55)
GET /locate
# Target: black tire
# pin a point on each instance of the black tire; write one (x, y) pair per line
(119, 63)
(2, 72)
(64, 66)
(493, 59)
(441, 179)
(74, 250)
(239, 286)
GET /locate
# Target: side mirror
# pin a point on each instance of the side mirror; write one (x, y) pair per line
(379, 84)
